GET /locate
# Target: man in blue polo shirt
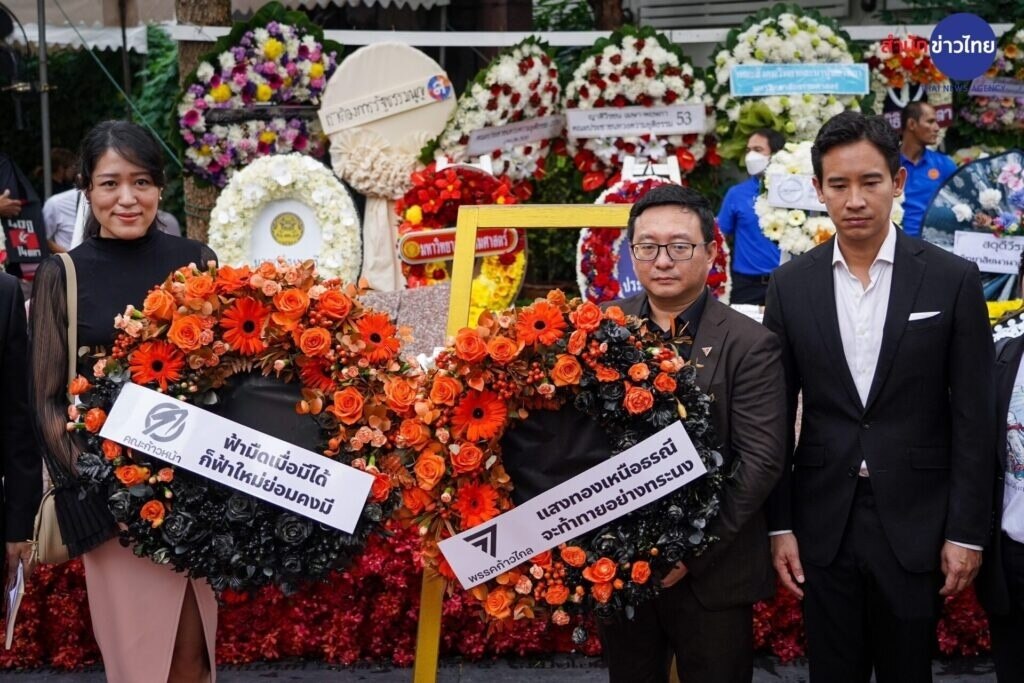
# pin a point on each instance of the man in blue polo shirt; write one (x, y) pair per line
(926, 168)
(754, 256)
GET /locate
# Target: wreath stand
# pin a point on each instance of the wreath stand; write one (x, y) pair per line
(428, 630)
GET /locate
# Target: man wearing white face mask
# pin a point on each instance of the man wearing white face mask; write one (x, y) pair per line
(754, 256)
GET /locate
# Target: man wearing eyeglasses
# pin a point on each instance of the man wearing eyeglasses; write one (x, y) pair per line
(704, 615)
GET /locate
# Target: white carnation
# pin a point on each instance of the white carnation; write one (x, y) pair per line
(963, 213)
(990, 198)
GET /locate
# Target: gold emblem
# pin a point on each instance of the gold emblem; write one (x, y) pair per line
(411, 249)
(286, 229)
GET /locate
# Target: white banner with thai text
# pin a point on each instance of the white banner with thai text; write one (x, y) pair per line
(679, 119)
(404, 97)
(650, 470)
(786, 191)
(992, 254)
(483, 141)
(237, 456)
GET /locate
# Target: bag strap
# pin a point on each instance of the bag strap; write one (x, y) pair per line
(71, 280)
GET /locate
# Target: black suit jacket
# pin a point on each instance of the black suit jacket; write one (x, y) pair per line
(991, 584)
(925, 430)
(739, 364)
(20, 463)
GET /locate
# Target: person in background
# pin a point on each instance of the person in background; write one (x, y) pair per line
(63, 167)
(926, 168)
(1001, 580)
(754, 256)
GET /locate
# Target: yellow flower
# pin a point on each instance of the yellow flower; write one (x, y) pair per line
(204, 150)
(268, 136)
(414, 214)
(222, 93)
(273, 48)
(263, 92)
(316, 70)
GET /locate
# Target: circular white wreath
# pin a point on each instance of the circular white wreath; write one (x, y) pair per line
(289, 176)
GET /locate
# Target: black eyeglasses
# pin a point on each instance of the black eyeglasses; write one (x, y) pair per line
(677, 251)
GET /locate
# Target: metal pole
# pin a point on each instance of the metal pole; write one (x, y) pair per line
(122, 11)
(44, 102)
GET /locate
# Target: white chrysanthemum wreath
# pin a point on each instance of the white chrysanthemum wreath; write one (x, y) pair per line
(797, 230)
(289, 176)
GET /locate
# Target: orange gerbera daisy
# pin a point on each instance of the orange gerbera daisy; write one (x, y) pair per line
(540, 322)
(479, 415)
(475, 504)
(316, 374)
(376, 330)
(156, 361)
(244, 324)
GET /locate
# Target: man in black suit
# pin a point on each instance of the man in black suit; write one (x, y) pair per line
(20, 464)
(705, 614)
(884, 504)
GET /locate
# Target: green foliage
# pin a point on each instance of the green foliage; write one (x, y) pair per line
(562, 15)
(157, 103)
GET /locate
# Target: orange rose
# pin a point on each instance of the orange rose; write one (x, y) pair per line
(638, 372)
(556, 594)
(445, 390)
(79, 385)
(315, 341)
(602, 592)
(334, 304)
(577, 342)
(417, 500)
(606, 374)
(165, 475)
(291, 303)
(587, 317)
(429, 470)
(159, 305)
(601, 571)
(199, 287)
(153, 512)
(499, 603)
(94, 419)
(469, 346)
(503, 350)
(401, 395)
(641, 572)
(664, 382)
(413, 433)
(231, 279)
(615, 314)
(574, 556)
(381, 487)
(468, 459)
(556, 297)
(638, 401)
(567, 371)
(542, 559)
(111, 449)
(348, 405)
(131, 475)
(186, 332)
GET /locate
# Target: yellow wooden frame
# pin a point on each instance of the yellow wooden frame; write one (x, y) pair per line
(428, 633)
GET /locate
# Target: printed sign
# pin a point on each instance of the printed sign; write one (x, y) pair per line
(650, 470)
(234, 455)
(761, 80)
(996, 87)
(288, 228)
(439, 245)
(405, 97)
(483, 141)
(796, 191)
(992, 254)
(620, 121)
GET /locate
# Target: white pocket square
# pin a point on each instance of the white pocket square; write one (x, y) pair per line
(922, 315)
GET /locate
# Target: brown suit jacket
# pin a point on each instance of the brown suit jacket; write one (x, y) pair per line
(739, 363)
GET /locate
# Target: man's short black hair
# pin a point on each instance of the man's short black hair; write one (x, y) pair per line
(912, 112)
(671, 194)
(776, 140)
(852, 126)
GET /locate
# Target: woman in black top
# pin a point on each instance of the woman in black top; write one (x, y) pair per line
(151, 623)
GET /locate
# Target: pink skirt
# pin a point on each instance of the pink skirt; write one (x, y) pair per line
(135, 606)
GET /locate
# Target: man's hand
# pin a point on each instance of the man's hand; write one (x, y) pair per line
(9, 208)
(960, 565)
(786, 560)
(674, 576)
(19, 553)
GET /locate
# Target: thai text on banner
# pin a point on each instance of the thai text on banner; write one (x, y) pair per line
(401, 98)
(486, 140)
(676, 119)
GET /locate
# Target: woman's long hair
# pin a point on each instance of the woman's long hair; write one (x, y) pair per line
(133, 143)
